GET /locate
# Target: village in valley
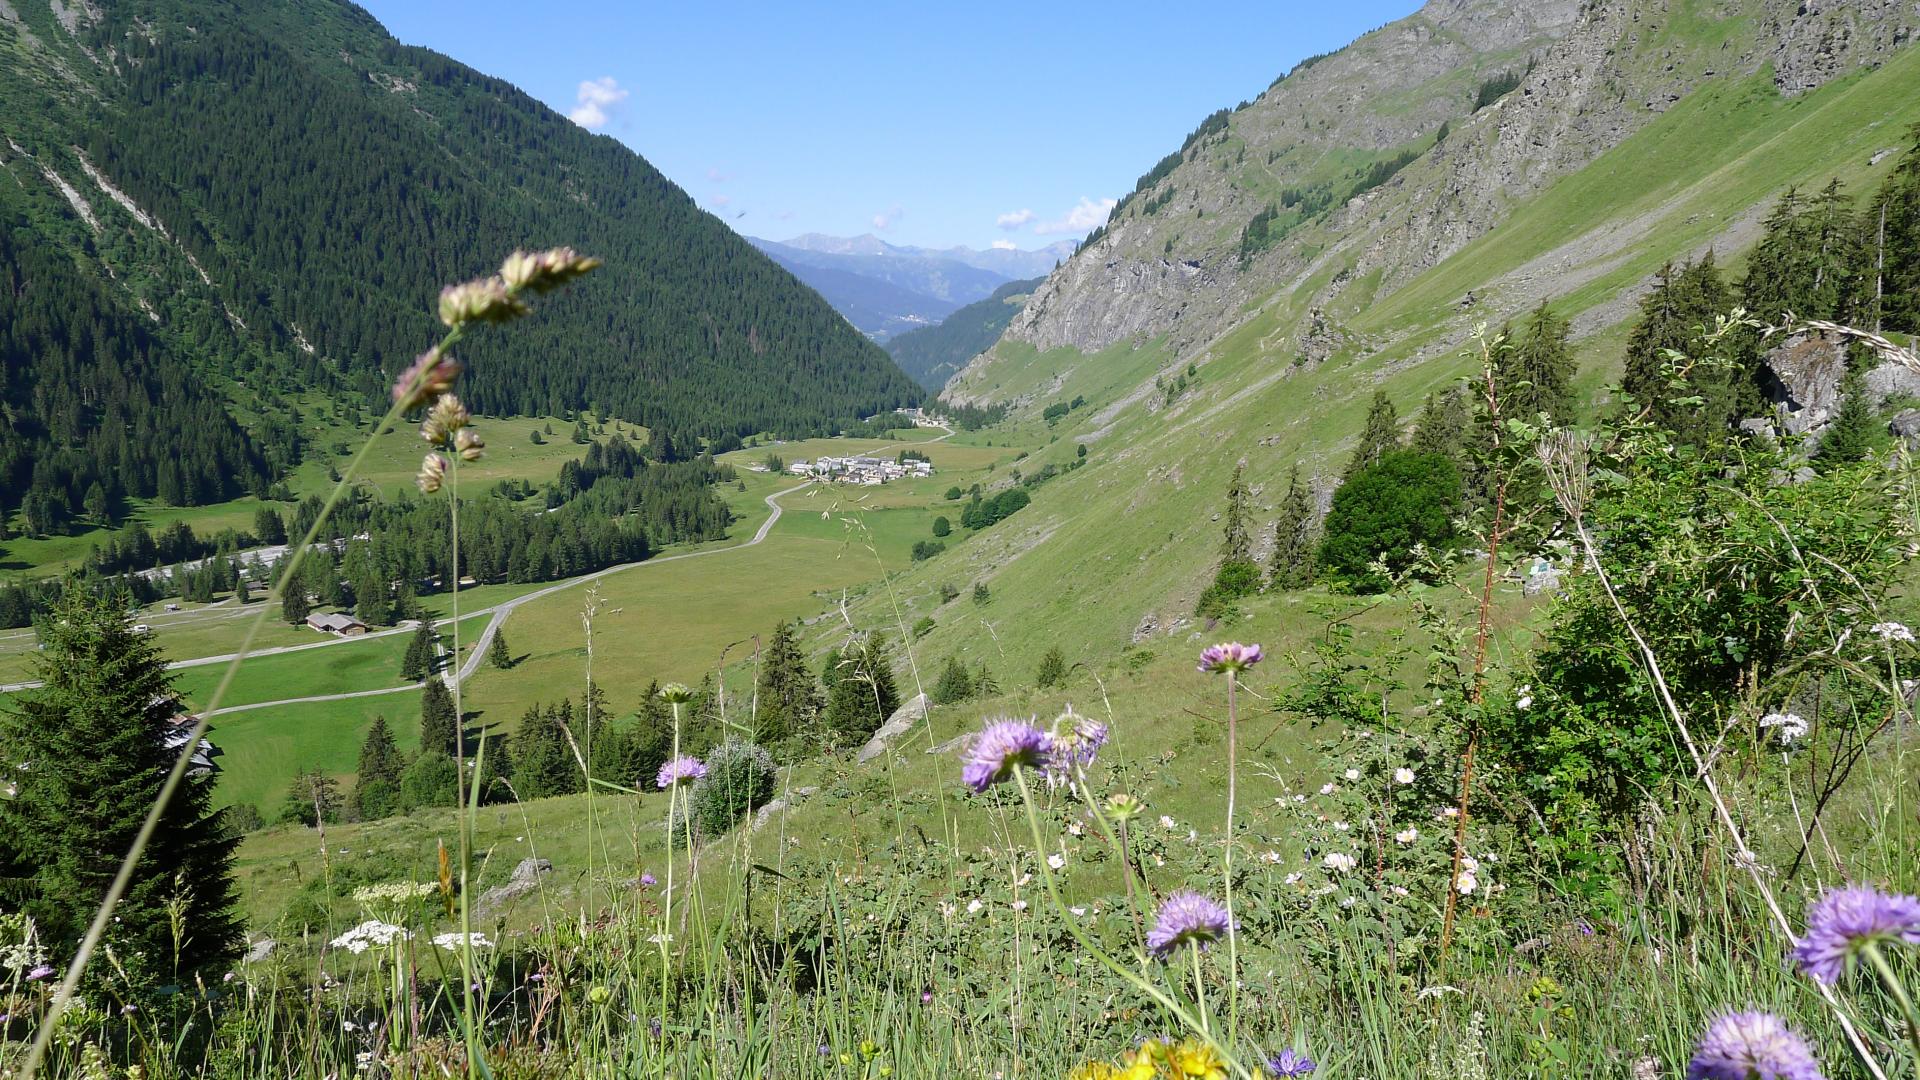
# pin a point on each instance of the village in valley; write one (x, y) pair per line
(861, 470)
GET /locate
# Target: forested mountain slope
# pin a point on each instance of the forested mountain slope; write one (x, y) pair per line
(277, 190)
(932, 354)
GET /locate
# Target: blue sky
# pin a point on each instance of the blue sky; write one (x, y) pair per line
(929, 124)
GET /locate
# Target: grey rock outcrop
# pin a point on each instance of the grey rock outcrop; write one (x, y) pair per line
(1905, 426)
(901, 722)
(1803, 377)
(525, 879)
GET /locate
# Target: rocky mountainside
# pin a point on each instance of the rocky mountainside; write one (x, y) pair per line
(1362, 169)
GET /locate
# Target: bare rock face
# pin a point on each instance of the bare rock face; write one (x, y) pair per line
(1905, 426)
(1803, 377)
(901, 722)
(1892, 380)
(526, 879)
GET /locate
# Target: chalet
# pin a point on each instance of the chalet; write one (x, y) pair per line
(202, 762)
(334, 622)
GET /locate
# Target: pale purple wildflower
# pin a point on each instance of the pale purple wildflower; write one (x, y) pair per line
(1229, 656)
(1752, 1046)
(1291, 1063)
(679, 771)
(999, 747)
(1845, 920)
(1186, 917)
(39, 972)
(1073, 748)
(648, 880)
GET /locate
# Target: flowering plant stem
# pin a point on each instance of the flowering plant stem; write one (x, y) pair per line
(1166, 1001)
(1233, 942)
(1899, 991)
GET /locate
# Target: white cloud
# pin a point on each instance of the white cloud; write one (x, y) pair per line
(1082, 218)
(716, 176)
(1013, 219)
(1004, 245)
(884, 219)
(721, 200)
(595, 97)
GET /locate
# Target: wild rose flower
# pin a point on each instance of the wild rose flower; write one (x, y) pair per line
(679, 771)
(1403, 776)
(431, 374)
(999, 747)
(1229, 656)
(1186, 917)
(1290, 1063)
(1406, 836)
(1339, 862)
(1752, 1046)
(1844, 921)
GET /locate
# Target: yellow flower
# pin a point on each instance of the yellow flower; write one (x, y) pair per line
(1196, 1059)
(1094, 1070)
(868, 1048)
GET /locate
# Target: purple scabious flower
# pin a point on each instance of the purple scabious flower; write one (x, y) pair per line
(679, 771)
(648, 880)
(999, 747)
(39, 972)
(1291, 1063)
(1752, 1046)
(1186, 916)
(1845, 920)
(1229, 656)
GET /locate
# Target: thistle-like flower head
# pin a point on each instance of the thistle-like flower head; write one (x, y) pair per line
(1846, 920)
(1186, 917)
(1290, 1063)
(1752, 1046)
(1001, 746)
(1124, 806)
(680, 770)
(675, 693)
(1229, 656)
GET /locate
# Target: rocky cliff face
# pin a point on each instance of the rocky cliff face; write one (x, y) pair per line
(1174, 259)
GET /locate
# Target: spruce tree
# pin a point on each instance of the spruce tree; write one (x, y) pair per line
(1857, 429)
(293, 603)
(1380, 435)
(87, 751)
(497, 652)
(1237, 575)
(1535, 375)
(1294, 541)
(954, 684)
(865, 695)
(376, 792)
(1236, 546)
(313, 799)
(423, 653)
(1443, 424)
(787, 697)
(439, 725)
(1052, 670)
(1893, 255)
(543, 760)
(1682, 305)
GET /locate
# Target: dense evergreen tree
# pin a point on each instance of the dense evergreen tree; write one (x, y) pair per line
(864, 696)
(1443, 425)
(1052, 669)
(1294, 536)
(497, 652)
(1857, 430)
(543, 759)
(1682, 304)
(376, 791)
(1380, 435)
(423, 653)
(954, 684)
(88, 754)
(1892, 242)
(1535, 372)
(439, 725)
(293, 603)
(787, 697)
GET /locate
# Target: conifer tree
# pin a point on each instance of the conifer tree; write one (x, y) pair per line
(1682, 305)
(376, 792)
(1379, 436)
(439, 725)
(1535, 375)
(293, 602)
(87, 751)
(1857, 429)
(954, 684)
(497, 652)
(1444, 424)
(1052, 670)
(1893, 260)
(1237, 575)
(865, 696)
(1294, 542)
(313, 799)
(423, 653)
(543, 759)
(1236, 546)
(786, 695)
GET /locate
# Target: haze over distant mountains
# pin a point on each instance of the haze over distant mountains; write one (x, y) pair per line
(887, 289)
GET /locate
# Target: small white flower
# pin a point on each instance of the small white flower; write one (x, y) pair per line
(1347, 901)
(1788, 727)
(974, 906)
(452, 942)
(1525, 702)
(1326, 789)
(1892, 631)
(1352, 774)
(1019, 905)
(1339, 862)
(1078, 912)
(369, 933)
(1341, 826)
(1074, 828)
(1449, 811)
(1293, 878)
(1436, 991)
(1057, 861)
(1398, 890)
(1167, 823)
(1403, 775)
(1407, 835)
(1271, 858)
(1466, 883)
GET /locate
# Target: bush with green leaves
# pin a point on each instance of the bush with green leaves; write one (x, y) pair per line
(1401, 502)
(739, 779)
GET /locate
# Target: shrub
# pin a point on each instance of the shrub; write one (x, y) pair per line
(1236, 579)
(739, 779)
(1404, 499)
(1052, 671)
(432, 780)
(941, 526)
(927, 549)
(923, 627)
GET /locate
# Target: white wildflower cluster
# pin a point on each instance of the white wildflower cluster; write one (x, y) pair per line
(20, 948)
(370, 933)
(1789, 728)
(1339, 862)
(453, 942)
(1892, 631)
